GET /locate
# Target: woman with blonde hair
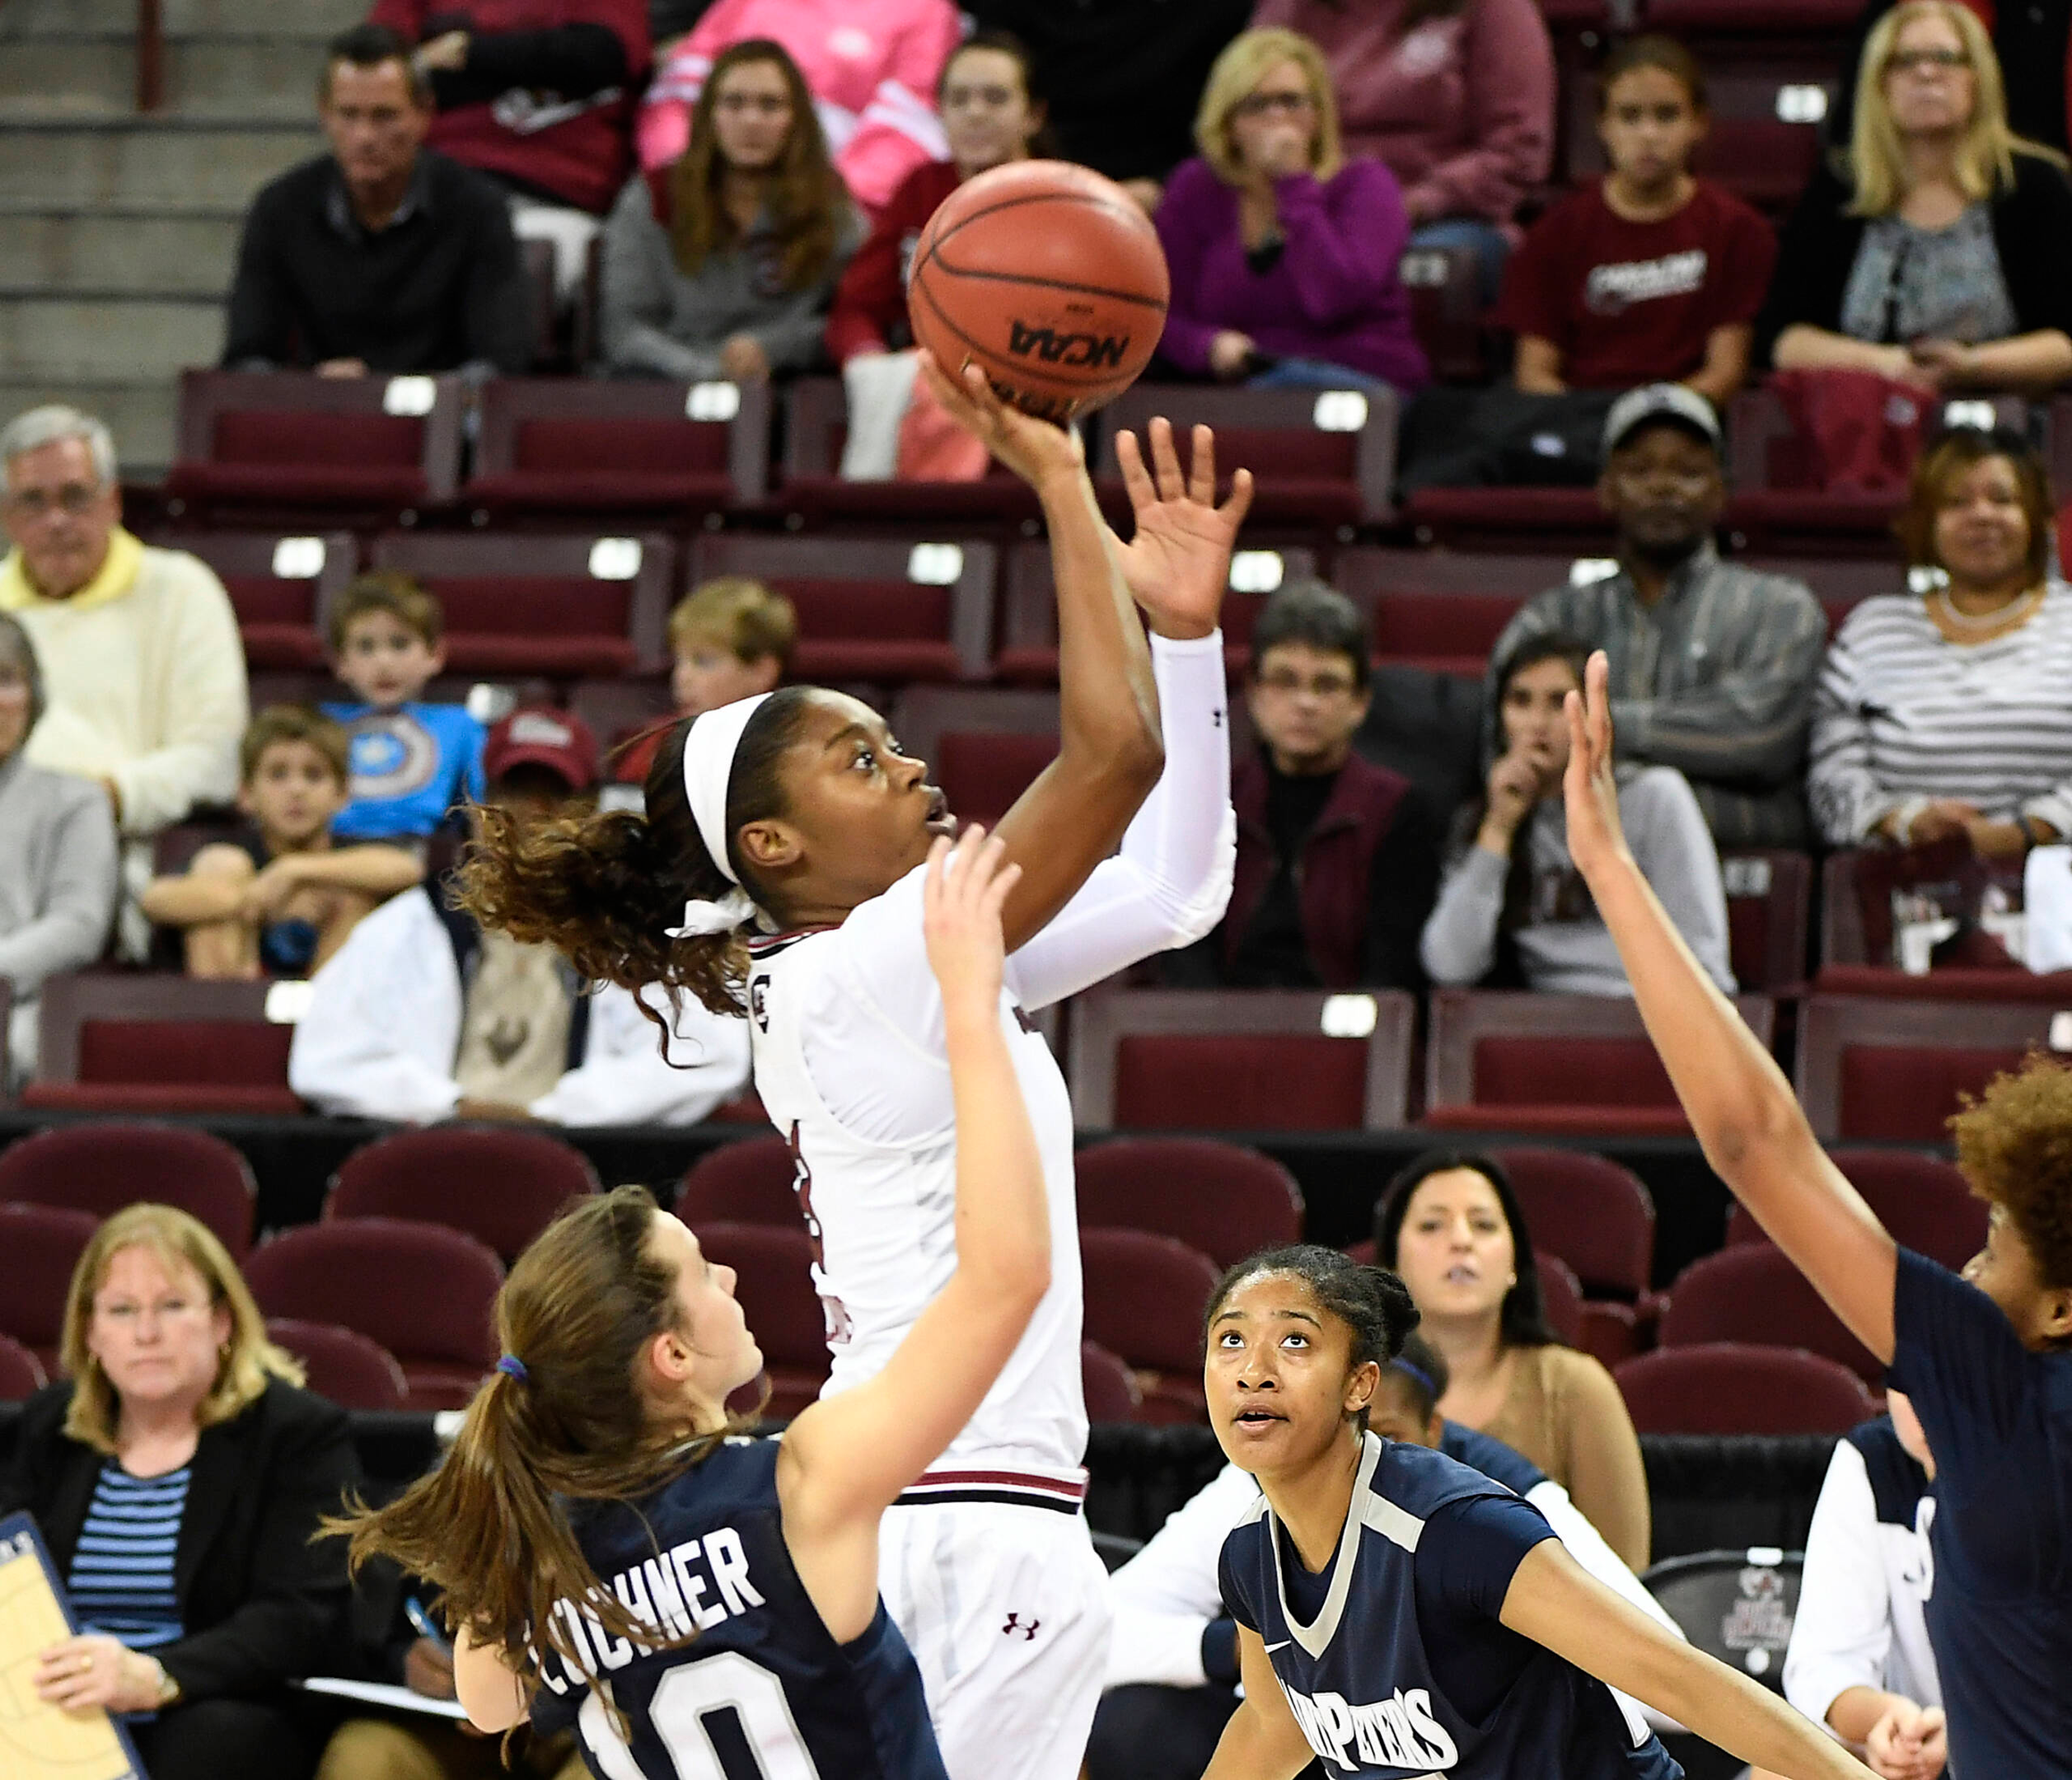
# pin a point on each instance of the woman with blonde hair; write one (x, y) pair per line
(1283, 252)
(178, 1472)
(1938, 251)
(723, 263)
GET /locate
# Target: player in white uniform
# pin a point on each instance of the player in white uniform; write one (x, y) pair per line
(793, 822)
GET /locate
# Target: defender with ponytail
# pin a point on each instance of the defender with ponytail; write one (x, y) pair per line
(611, 1551)
(1398, 1612)
(776, 874)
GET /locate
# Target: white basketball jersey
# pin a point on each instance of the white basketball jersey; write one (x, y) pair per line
(880, 1203)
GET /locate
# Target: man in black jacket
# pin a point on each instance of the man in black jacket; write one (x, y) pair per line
(383, 256)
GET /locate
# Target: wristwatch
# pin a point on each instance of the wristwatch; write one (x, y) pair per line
(168, 1689)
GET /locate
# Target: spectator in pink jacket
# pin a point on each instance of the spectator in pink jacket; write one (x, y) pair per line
(872, 65)
(1455, 95)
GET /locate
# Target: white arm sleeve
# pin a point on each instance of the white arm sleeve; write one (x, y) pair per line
(1170, 881)
(625, 1079)
(1843, 1631)
(1166, 1595)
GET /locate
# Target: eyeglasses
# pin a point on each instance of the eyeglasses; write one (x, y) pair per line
(1926, 61)
(1265, 104)
(74, 499)
(1287, 683)
(766, 105)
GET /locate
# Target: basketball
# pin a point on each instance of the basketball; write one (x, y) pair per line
(1046, 276)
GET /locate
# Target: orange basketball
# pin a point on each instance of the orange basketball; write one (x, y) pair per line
(1046, 276)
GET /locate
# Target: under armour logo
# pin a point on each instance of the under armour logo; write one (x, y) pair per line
(1014, 1625)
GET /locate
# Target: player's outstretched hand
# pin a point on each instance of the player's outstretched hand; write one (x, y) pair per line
(1037, 450)
(1596, 841)
(961, 899)
(1177, 565)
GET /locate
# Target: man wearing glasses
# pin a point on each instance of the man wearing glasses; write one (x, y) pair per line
(144, 675)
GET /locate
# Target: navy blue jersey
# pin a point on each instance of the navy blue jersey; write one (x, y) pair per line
(764, 1688)
(1362, 1674)
(1999, 1422)
(1486, 1453)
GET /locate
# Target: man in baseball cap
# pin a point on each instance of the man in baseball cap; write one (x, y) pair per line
(538, 755)
(1713, 664)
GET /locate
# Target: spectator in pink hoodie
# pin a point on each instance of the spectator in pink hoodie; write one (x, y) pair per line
(1455, 95)
(872, 65)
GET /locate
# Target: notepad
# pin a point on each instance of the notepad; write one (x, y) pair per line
(39, 1740)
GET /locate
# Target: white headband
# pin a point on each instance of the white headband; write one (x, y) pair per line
(709, 768)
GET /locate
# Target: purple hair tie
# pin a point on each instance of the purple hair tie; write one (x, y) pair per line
(1417, 1372)
(512, 1366)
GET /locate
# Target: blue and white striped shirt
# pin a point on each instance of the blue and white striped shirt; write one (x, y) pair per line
(121, 1583)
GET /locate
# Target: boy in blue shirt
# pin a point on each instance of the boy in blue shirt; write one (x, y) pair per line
(411, 762)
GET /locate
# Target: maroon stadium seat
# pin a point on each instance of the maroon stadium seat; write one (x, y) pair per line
(1506, 1060)
(564, 605)
(1922, 1200)
(1028, 655)
(426, 1293)
(745, 1183)
(774, 1284)
(1318, 458)
(1368, 571)
(815, 431)
(277, 440)
(1110, 1387)
(99, 1168)
(501, 1185)
(1892, 1071)
(1562, 1295)
(985, 745)
(1145, 1296)
(1443, 633)
(1226, 1200)
(281, 588)
(1856, 936)
(1769, 910)
(1728, 1388)
(126, 1042)
(884, 610)
(1540, 519)
(43, 1244)
(567, 446)
(22, 1375)
(1589, 1210)
(620, 710)
(354, 1372)
(1753, 1293)
(1445, 285)
(1240, 1059)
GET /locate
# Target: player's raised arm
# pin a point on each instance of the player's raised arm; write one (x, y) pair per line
(846, 1457)
(1743, 1109)
(1177, 566)
(1555, 1603)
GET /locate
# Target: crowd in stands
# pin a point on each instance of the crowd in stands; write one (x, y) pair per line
(732, 194)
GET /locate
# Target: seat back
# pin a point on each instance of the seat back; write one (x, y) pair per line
(750, 1182)
(22, 1375)
(1445, 633)
(1923, 1201)
(43, 1244)
(1769, 907)
(1736, 1607)
(1736, 1388)
(1109, 1387)
(1561, 1293)
(775, 1283)
(99, 1168)
(276, 421)
(501, 1185)
(1445, 285)
(1145, 1297)
(281, 588)
(1589, 1210)
(985, 747)
(1753, 1294)
(1241, 1059)
(1224, 1199)
(354, 1372)
(163, 1043)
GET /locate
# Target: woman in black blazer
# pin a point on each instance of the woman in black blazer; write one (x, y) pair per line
(178, 1410)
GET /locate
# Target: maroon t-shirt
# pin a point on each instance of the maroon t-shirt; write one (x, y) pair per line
(1635, 302)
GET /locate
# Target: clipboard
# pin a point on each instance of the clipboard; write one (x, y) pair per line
(38, 1740)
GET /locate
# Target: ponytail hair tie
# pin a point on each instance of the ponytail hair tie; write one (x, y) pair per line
(1419, 1372)
(512, 1366)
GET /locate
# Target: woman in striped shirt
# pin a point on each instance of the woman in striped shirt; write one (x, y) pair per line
(1950, 712)
(178, 1474)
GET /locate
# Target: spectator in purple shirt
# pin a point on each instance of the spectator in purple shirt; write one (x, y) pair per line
(1284, 253)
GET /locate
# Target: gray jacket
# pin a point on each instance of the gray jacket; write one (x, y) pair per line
(57, 882)
(1716, 679)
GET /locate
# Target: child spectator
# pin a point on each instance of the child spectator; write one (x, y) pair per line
(1283, 252)
(1649, 276)
(732, 638)
(722, 264)
(280, 899)
(411, 761)
(1337, 859)
(1512, 903)
(500, 1029)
